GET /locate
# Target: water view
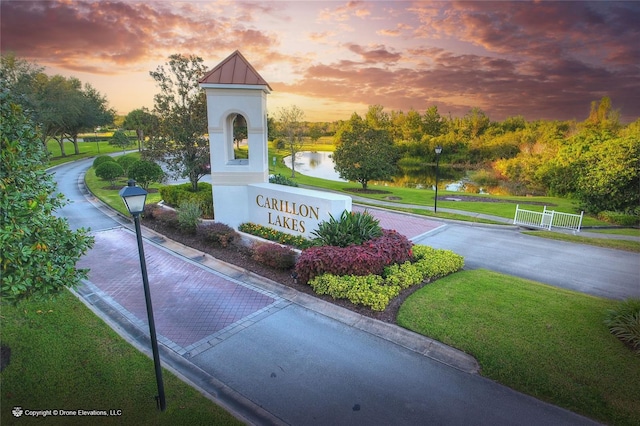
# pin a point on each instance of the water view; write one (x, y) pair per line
(320, 164)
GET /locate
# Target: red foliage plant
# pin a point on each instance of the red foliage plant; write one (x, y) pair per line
(370, 257)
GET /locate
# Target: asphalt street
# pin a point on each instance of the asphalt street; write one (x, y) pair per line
(297, 361)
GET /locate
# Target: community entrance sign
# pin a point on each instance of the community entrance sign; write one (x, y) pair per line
(237, 97)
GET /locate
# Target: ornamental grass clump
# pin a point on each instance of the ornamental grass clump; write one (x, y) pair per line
(352, 228)
(624, 323)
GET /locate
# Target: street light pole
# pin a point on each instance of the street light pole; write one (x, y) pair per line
(438, 152)
(134, 198)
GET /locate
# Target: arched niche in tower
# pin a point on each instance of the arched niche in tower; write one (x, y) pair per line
(237, 144)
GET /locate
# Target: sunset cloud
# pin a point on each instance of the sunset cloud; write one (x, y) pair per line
(537, 59)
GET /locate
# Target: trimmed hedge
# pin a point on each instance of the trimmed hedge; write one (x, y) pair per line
(376, 291)
(370, 257)
(175, 195)
(271, 234)
(102, 159)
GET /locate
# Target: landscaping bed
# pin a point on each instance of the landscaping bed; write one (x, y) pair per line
(236, 255)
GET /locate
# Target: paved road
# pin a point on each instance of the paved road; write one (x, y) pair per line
(83, 210)
(295, 360)
(598, 271)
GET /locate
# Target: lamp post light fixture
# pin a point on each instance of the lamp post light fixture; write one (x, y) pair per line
(134, 198)
(438, 152)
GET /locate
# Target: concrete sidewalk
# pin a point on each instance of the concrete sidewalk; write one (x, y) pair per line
(272, 355)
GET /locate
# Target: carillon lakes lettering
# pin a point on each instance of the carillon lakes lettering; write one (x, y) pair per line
(289, 209)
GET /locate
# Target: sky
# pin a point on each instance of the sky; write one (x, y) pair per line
(541, 60)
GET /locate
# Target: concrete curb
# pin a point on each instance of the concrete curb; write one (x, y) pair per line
(390, 332)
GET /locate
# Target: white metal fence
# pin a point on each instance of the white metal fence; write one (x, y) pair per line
(548, 219)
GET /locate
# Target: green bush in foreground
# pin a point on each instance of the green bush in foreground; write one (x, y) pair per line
(376, 291)
(624, 322)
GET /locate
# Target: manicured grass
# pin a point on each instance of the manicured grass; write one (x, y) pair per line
(626, 245)
(87, 149)
(544, 341)
(111, 196)
(634, 232)
(64, 357)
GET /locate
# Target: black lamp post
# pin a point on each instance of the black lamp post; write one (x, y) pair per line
(134, 198)
(438, 152)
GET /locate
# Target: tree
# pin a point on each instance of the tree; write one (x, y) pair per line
(39, 250)
(143, 122)
(290, 123)
(120, 140)
(433, 121)
(239, 130)
(602, 116)
(315, 131)
(145, 173)
(20, 77)
(93, 112)
(182, 111)
(364, 153)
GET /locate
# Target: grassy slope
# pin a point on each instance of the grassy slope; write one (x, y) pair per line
(547, 342)
(64, 357)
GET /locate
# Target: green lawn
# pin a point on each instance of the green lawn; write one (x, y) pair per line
(544, 341)
(627, 245)
(111, 196)
(64, 357)
(87, 149)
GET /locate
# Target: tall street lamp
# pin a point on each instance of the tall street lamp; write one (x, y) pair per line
(134, 198)
(438, 152)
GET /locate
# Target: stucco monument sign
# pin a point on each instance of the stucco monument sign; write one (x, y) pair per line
(236, 93)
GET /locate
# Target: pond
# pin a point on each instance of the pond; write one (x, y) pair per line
(320, 164)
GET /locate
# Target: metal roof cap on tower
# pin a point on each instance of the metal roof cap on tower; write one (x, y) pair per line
(234, 70)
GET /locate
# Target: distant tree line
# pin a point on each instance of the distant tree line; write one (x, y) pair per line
(595, 161)
(60, 107)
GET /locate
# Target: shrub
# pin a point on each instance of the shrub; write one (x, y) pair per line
(282, 180)
(368, 258)
(174, 195)
(166, 217)
(151, 211)
(216, 233)
(624, 323)
(377, 291)
(271, 234)
(102, 159)
(125, 162)
(351, 228)
(273, 255)
(109, 171)
(189, 213)
(279, 143)
(145, 172)
(367, 290)
(621, 219)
